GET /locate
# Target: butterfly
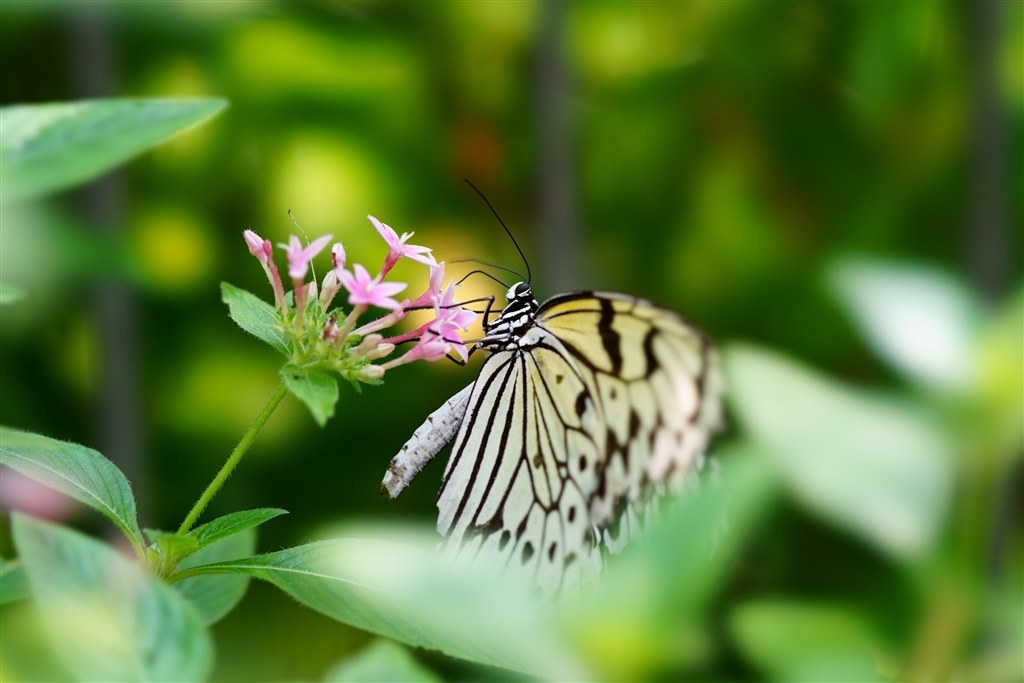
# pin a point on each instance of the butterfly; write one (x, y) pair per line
(587, 408)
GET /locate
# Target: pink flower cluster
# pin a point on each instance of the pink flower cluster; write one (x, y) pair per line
(433, 340)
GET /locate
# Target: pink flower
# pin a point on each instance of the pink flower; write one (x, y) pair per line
(429, 297)
(299, 257)
(451, 318)
(366, 291)
(430, 347)
(258, 247)
(397, 248)
(338, 258)
(448, 312)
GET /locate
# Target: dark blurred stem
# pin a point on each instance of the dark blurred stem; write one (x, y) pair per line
(119, 417)
(557, 219)
(988, 230)
(952, 619)
(236, 456)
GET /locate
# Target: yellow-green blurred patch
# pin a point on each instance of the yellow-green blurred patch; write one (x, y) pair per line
(331, 183)
(174, 248)
(221, 391)
(728, 229)
(273, 59)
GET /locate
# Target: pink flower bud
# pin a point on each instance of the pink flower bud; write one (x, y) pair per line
(338, 258)
(258, 247)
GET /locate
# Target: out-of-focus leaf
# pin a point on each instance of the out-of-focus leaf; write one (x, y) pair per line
(254, 315)
(109, 619)
(214, 596)
(231, 524)
(382, 662)
(9, 294)
(48, 147)
(1001, 357)
(74, 470)
(402, 591)
(645, 615)
(921, 321)
(792, 641)
(13, 581)
(26, 653)
(870, 465)
(318, 390)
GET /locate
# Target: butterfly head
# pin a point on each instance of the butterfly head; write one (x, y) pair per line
(515, 319)
(520, 291)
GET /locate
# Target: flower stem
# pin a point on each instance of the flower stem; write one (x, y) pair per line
(233, 459)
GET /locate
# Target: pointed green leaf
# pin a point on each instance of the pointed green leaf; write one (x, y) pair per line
(401, 591)
(49, 147)
(921, 321)
(74, 470)
(108, 619)
(214, 596)
(383, 661)
(13, 581)
(871, 465)
(793, 641)
(646, 612)
(231, 524)
(317, 389)
(254, 315)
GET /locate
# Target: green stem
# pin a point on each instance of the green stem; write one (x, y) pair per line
(233, 460)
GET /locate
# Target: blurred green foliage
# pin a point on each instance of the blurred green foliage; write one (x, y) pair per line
(732, 161)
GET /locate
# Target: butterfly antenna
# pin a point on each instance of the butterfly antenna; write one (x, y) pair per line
(481, 272)
(529, 275)
(304, 236)
(471, 259)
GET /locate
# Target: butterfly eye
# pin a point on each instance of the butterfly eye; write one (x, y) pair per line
(516, 291)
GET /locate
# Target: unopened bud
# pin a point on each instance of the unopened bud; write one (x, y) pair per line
(372, 372)
(328, 289)
(383, 349)
(369, 343)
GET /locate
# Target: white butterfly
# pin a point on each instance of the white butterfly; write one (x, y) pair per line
(587, 407)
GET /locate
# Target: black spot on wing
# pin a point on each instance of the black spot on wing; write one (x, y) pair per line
(527, 552)
(610, 339)
(652, 363)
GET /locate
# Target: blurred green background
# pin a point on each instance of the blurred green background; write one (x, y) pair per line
(718, 158)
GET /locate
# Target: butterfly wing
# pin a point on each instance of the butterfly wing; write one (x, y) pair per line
(657, 383)
(606, 397)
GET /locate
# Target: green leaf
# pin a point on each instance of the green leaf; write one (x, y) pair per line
(231, 524)
(646, 613)
(214, 596)
(9, 294)
(921, 321)
(13, 581)
(382, 662)
(318, 390)
(870, 465)
(49, 147)
(108, 619)
(254, 315)
(793, 641)
(401, 591)
(74, 470)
